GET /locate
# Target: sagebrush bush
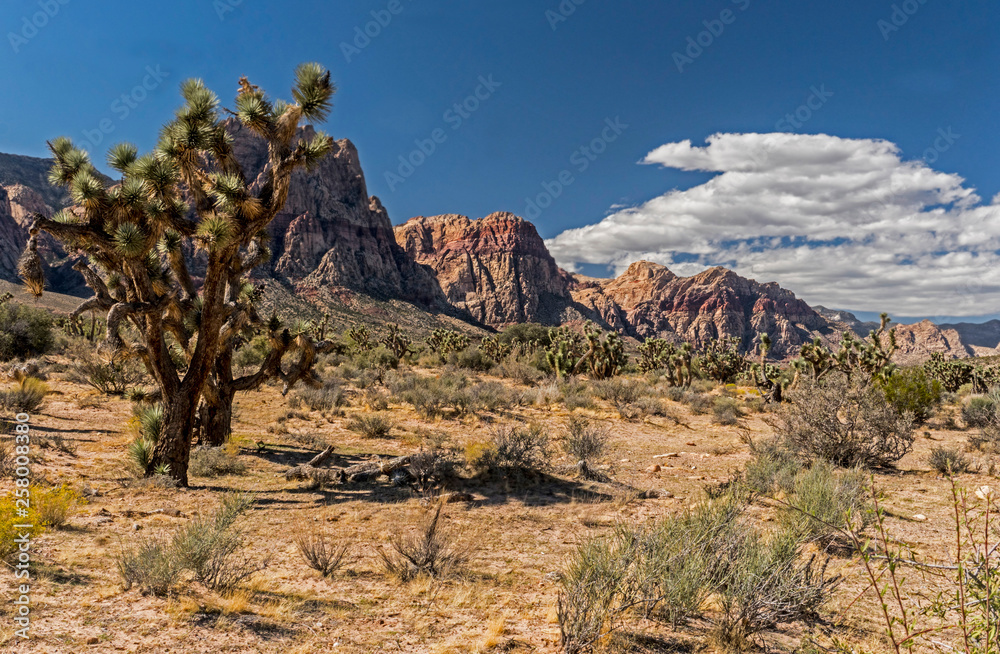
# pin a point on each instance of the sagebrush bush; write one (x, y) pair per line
(472, 358)
(519, 371)
(667, 570)
(846, 422)
(25, 397)
(773, 468)
(825, 500)
(584, 441)
(431, 551)
(108, 377)
(912, 390)
(149, 564)
(327, 397)
(216, 462)
(979, 411)
(371, 425)
(212, 546)
(949, 460)
(699, 403)
(513, 451)
(726, 410)
(25, 331)
(432, 397)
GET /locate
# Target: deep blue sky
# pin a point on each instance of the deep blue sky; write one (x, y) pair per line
(557, 86)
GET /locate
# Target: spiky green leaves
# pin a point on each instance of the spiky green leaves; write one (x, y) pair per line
(233, 198)
(87, 190)
(121, 156)
(254, 111)
(130, 240)
(201, 105)
(70, 162)
(314, 150)
(159, 173)
(313, 90)
(215, 232)
(170, 242)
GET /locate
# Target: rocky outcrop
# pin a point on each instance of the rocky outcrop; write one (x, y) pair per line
(330, 232)
(648, 300)
(496, 268)
(13, 238)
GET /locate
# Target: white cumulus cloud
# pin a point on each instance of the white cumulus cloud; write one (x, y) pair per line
(842, 222)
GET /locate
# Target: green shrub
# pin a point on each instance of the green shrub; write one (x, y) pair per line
(949, 461)
(472, 358)
(773, 468)
(666, 571)
(525, 332)
(25, 331)
(825, 500)
(25, 397)
(376, 358)
(371, 425)
(150, 564)
(726, 410)
(253, 353)
(212, 546)
(912, 390)
(325, 398)
(584, 441)
(215, 462)
(979, 411)
(110, 378)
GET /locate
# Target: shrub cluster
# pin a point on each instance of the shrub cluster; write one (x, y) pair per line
(210, 547)
(25, 331)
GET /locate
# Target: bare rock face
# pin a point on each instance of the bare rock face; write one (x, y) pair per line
(330, 232)
(650, 301)
(13, 238)
(919, 341)
(496, 268)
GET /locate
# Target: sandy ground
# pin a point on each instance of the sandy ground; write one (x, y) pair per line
(519, 538)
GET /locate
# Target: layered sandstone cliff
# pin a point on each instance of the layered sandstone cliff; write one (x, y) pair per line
(496, 268)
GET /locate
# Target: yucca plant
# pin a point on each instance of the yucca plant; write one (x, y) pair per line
(190, 194)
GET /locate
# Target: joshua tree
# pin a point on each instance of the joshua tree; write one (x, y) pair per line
(189, 195)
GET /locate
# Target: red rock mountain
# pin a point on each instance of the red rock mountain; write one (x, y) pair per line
(648, 300)
(333, 237)
(496, 268)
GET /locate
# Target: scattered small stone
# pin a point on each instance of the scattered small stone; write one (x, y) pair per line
(920, 517)
(668, 455)
(654, 493)
(691, 444)
(93, 640)
(451, 498)
(136, 526)
(653, 468)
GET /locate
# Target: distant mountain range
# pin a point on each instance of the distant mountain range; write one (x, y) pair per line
(334, 242)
